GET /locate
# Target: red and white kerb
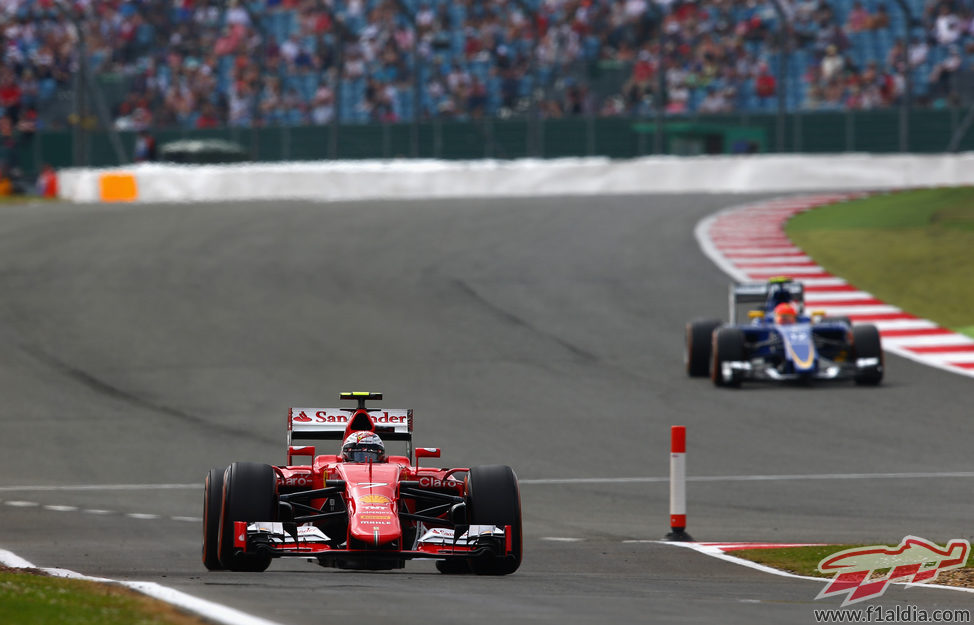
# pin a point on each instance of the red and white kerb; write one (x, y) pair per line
(678, 478)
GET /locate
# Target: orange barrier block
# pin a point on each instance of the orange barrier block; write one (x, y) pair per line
(118, 188)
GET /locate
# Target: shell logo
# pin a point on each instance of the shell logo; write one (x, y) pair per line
(374, 499)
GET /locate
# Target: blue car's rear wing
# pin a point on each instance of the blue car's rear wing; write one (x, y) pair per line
(764, 296)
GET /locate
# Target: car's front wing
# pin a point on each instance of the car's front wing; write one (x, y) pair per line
(757, 369)
(309, 542)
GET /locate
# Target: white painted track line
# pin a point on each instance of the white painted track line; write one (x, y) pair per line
(207, 609)
(755, 478)
(103, 487)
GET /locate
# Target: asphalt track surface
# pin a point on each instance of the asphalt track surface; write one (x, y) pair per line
(144, 345)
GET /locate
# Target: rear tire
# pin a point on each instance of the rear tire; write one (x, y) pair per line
(453, 567)
(212, 505)
(249, 494)
(699, 339)
(866, 344)
(493, 498)
(728, 346)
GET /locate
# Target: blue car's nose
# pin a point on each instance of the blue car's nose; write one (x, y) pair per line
(799, 346)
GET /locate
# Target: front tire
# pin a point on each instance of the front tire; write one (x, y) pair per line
(212, 506)
(866, 344)
(728, 347)
(249, 494)
(699, 339)
(493, 498)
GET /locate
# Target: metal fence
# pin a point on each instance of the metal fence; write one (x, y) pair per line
(931, 131)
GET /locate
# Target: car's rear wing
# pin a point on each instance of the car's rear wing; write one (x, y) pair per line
(756, 295)
(330, 424)
(318, 424)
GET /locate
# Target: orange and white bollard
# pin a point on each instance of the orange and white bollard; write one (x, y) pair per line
(678, 484)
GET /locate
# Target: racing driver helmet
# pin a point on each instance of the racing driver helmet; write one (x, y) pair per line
(785, 313)
(363, 447)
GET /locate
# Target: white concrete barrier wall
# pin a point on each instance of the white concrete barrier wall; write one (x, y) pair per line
(416, 179)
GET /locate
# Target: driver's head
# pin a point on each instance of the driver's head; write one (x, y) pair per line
(785, 313)
(363, 447)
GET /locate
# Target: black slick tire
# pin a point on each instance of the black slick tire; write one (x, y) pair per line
(493, 498)
(699, 339)
(728, 346)
(453, 567)
(249, 494)
(866, 344)
(212, 506)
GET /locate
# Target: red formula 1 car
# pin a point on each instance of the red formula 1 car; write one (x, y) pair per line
(361, 509)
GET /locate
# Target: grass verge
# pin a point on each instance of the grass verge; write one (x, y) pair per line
(21, 199)
(804, 561)
(29, 597)
(912, 249)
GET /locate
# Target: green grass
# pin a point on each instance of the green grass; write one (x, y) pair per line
(804, 560)
(797, 560)
(913, 249)
(8, 200)
(31, 599)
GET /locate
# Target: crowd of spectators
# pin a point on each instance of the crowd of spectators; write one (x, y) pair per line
(215, 63)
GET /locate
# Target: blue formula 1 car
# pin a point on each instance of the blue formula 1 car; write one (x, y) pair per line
(780, 342)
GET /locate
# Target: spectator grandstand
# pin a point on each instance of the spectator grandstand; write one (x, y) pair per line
(209, 63)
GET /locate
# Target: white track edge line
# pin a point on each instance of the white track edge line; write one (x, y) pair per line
(715, 552)
(700, 232)
(11, 559)
(203, 607)
(73, 487)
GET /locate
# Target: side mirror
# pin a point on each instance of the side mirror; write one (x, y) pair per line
(300, 450)
(426, 452)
